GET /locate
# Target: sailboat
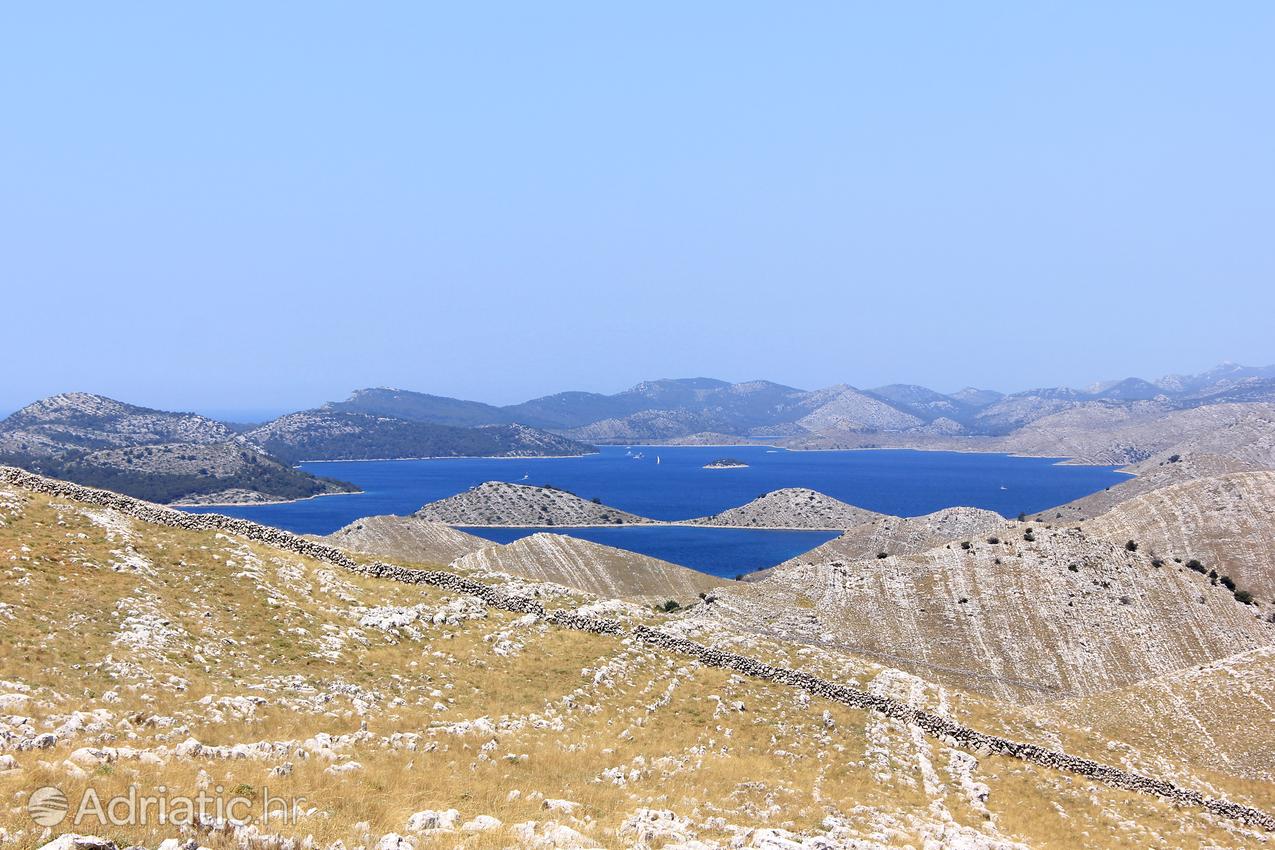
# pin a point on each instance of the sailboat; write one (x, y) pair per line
(657, 458)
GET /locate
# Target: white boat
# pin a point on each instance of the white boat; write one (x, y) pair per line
(657, 458)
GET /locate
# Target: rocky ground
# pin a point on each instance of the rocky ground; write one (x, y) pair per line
(410, 716)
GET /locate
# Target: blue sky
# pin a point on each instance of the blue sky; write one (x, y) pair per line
(262, 206)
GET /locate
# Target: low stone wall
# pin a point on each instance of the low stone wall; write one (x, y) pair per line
(938, 727)
(952, 733)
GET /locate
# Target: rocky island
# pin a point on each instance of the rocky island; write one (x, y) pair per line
(791, 507)
(501, 503)
(726, 463)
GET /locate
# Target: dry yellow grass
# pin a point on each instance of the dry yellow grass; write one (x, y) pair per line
(155, 628)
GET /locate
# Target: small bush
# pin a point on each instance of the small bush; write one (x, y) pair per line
(1244, 596)
(965, 544)
(1157, 562)
(1029, 536)
(964, 599)
(669, 606)
(1174, 458)
(1131, 545)
(1022, 516)
(1194, 564)
(1125, 600)
(994, 540)
(1228, 583)
(1073, 568)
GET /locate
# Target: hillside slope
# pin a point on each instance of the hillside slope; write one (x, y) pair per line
(1227, 522)
(1061, 614)
(409, 539)
(207, 653)
(500, 503)
(792, 507)
(590, 567)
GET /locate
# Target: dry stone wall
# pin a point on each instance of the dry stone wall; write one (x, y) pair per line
(951, 733)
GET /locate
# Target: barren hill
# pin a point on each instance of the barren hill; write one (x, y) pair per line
(591, 567)
(1227, 522)
(405, 538)
(499, 503)
(1062, 614)
(792, 507)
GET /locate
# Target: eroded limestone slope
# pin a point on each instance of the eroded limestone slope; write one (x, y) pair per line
(1227, 522)
(1039, 614)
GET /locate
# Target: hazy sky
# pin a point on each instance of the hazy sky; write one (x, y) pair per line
(264, 205)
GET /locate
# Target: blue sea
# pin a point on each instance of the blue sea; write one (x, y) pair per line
(670, 483)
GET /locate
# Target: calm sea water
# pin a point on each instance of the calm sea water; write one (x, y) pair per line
(900, 482)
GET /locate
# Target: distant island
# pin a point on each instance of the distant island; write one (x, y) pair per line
(726, 463)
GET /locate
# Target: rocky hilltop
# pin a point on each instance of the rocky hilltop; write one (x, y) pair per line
(405, 538)
(590, 567)
(1027, 612)
(70, 422)
(153, 454)
(499, 503)
(576, 721)
(792, 507)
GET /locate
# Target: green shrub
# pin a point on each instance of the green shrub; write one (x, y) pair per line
(1244, 596)
(1227, 582)
(1131, 545)
(1194, 564)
